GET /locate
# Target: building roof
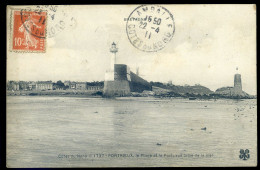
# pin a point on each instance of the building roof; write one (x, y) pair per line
(44, 82)
(80, 82)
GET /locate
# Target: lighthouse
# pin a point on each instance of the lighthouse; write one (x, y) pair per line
(113, 50)
(116, 82)
(120, 81)
(237, 84)
(110, 73)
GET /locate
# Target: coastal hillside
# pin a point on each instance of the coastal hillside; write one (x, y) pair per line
(196, 89)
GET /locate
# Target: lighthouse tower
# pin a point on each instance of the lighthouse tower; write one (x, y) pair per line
(113, 50)
(110, 73)
(237, 84)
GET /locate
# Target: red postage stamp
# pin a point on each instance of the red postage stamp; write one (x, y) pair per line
(29, 31)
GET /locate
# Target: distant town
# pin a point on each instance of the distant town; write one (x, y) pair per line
(49, 85)
(52, 88)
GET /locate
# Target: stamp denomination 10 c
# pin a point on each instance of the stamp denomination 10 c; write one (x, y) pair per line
(28, 31)
(150, 27)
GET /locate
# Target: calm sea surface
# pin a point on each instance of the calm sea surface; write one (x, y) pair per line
(96, 132)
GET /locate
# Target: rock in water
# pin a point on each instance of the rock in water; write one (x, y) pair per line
(204, 128)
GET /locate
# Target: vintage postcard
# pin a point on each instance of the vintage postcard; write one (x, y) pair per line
(131, 86)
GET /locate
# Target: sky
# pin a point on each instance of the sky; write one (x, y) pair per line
(209, 42)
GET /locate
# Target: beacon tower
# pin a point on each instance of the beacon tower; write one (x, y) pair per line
(109, 75)
(237, 90)
(237, 84)
(113, 50)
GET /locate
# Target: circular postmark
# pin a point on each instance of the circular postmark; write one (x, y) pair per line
(59, 19)
(150, 27)
(34, 22)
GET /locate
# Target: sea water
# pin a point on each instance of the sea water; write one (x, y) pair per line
(48, 131)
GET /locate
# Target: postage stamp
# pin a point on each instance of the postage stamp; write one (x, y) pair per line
(150, 27)
(29, 30)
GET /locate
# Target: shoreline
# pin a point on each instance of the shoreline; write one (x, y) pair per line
(116, 97)
(99, 94)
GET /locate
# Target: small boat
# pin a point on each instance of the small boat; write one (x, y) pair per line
(192, 98)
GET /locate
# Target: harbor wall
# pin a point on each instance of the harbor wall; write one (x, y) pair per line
(116, 88)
